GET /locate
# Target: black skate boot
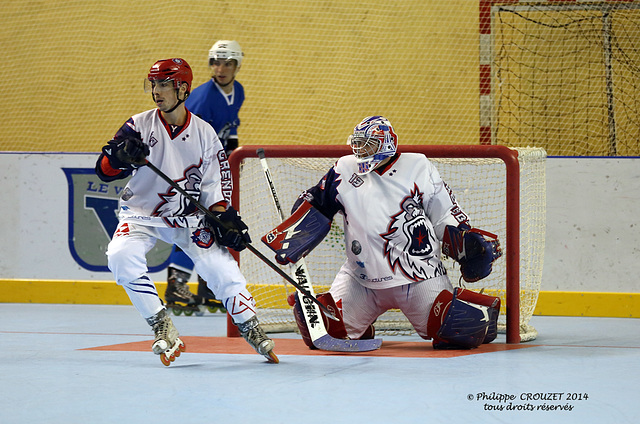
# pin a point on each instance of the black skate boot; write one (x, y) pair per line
(208, 298)
(178, 297)
(256, 337)
(167, 344)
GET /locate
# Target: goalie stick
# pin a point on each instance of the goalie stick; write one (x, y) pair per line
(317, 330)
(249, 247)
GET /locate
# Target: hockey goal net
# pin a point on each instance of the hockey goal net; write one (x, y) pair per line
(561, 74)
(501, 189)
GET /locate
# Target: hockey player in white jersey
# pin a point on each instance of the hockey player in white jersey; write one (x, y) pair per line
(187, 150)
(397, 213)
(218, 102)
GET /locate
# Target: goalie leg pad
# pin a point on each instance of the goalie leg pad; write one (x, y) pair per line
(294, 301)
(492, 302)
(463, 320)
(335, 329)
(298, 235)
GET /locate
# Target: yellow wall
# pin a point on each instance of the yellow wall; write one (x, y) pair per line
(591, 304)
(73, 71)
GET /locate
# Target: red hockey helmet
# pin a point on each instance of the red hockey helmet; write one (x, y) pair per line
(175, 69)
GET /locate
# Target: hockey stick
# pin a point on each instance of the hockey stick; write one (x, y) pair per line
(317, 330)
(249, 247)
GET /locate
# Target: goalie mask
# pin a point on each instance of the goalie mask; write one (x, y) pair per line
(226, 50)
(373, 140)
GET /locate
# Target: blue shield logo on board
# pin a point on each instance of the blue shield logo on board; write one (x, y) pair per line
(93, 218)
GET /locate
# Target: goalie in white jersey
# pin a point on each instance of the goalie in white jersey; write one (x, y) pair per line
(397, 211)
(186, 149)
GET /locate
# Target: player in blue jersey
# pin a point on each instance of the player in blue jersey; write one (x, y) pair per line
(218, 102)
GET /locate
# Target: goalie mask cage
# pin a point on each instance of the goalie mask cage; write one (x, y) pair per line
(501, 189)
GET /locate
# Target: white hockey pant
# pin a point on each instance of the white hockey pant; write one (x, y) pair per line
(127, 260)
(362, 306)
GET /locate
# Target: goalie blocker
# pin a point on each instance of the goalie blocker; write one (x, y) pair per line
(298, 235)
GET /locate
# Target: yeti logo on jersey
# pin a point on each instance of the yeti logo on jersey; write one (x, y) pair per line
(202, 237)
(408, 240)
(174, 203)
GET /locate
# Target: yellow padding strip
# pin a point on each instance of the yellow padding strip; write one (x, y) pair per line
(66, 291)
(588, 304)
(559, 303)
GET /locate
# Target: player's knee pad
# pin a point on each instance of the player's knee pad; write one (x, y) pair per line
(464, 319)
(335, 329)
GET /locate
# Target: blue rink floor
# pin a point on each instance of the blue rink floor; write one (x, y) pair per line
(579, 370)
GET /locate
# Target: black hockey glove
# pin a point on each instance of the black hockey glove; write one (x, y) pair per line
(126, 151)
(229, 230)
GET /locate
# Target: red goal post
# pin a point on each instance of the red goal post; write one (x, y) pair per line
(252, 199)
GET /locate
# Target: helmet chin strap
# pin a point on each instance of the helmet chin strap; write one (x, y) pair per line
(177, 103)
(174, 108)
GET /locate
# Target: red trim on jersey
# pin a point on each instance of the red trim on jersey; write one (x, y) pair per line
(107, 169)
(168, 127)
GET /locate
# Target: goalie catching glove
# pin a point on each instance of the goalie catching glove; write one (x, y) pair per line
(229, 229)
(469, 247)
(298, 235)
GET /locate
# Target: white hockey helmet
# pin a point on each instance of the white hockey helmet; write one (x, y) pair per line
(373, 140)
(226, 50)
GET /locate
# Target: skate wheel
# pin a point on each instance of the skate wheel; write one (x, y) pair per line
(182, 347)
(177, 353)
(212, 309)
(273, 358)
(188, 313)
(199, 313)
(165, 361)
(176, 311)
